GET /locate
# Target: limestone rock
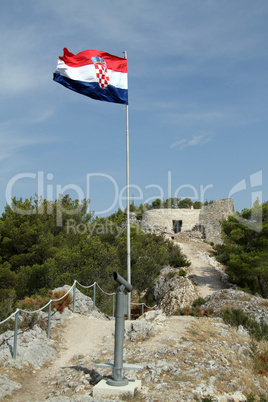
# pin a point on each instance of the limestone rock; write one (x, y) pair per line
(140, 330)
(172, 291)
(7, 386)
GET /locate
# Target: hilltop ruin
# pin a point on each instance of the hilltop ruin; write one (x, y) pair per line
(205, 220)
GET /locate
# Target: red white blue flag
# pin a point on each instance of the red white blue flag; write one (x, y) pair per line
(94, 73)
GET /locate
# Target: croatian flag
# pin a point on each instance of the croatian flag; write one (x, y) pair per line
(93, 73)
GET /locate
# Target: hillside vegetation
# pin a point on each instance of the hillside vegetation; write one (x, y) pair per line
(245, 249)
(44, 245)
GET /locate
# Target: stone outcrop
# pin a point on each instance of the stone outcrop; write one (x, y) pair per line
(172, 291)
(140, 330)
(254, 307)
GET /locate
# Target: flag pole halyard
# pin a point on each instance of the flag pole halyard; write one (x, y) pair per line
(128, 214)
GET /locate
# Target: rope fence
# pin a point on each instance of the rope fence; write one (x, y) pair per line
(49, 303)
(144, 305)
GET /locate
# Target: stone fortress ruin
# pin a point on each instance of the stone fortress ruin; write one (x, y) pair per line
(205, 220)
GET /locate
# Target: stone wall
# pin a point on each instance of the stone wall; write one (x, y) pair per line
(164, 217)
(207, 219)
(210, 216)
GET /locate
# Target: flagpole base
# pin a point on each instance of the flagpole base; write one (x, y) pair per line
(117, 383)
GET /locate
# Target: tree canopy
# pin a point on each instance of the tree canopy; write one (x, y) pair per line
(172, 202)
(245, 249)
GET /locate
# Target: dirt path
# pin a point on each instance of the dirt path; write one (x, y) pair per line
(206, 277)
(83, 335)
(80, 335)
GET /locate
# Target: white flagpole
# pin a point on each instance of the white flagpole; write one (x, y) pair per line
(128, 222)
(128, 214)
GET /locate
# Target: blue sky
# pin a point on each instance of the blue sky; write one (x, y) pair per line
(198, 85)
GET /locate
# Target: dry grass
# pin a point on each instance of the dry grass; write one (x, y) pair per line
(263, 303)
(240, 367)
(244, 297)
(209, 348)
(178, 378)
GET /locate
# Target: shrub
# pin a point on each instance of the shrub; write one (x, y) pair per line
(251, 398)
(193, 311)
(7, 301)
(182, 272)
(260, 359)
(198, 302)
(178, 261)
(171, 275)
(236, 317)
(222, 258)
(60, 305)
(32, 303)
(186, 311)
(263, 363)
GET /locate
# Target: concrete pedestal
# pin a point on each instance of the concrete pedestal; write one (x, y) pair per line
(102, 389)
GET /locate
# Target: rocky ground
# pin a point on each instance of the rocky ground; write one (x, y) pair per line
(184, 358)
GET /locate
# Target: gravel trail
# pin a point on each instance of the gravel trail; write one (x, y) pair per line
(203, 268)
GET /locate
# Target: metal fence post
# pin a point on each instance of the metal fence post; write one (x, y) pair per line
(15, 334)
(74, 288)
(49, 318)
(142, 308)
(113, 305)
(94, 296)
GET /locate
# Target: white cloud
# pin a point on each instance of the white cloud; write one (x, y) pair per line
(196, 140)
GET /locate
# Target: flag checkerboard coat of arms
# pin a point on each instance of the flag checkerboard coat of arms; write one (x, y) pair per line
(101, 71)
